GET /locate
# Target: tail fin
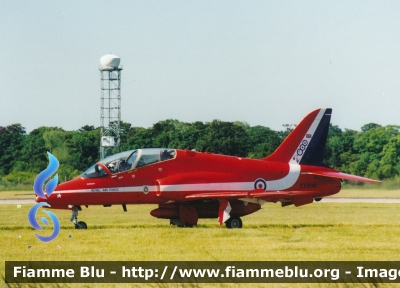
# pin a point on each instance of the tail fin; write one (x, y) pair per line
(306, 143)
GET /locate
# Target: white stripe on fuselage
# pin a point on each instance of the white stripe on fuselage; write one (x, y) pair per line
(279, 184)
(150, 188)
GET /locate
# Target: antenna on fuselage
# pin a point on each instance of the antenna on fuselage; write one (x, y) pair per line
(110, 104)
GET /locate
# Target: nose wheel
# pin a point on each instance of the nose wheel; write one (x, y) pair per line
(80, 225)
(74, 219)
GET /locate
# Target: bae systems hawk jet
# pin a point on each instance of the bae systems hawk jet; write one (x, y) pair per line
(188, 185)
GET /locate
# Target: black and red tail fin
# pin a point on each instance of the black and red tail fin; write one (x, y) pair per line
(306, 143)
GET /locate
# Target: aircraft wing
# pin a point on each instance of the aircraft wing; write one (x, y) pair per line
(298, 198)
(340, 175)
(217, 195)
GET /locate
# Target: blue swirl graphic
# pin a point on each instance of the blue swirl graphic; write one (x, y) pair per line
(46, 173)
(50, 187)
(32, 219)
(44, 220)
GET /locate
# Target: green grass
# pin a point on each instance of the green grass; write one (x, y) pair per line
(320, 231)
(315, 232)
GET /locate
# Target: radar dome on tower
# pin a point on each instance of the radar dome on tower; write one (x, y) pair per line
(110, 61)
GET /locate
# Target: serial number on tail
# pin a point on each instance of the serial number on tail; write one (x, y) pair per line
(308, 185)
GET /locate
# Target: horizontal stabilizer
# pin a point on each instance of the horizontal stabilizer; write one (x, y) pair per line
(340, 175)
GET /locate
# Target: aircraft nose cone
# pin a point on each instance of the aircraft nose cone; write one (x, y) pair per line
(40, 199)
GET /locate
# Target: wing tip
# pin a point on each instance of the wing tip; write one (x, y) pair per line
(344, 176)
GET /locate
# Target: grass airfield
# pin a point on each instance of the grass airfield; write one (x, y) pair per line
(319, 231)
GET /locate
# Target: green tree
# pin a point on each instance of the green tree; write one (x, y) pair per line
(370, 146)
(187, 135)
(223, 138)
(84, 146)
(11, 144)
(262, 141)
(164, 133)
(339, 148)
(369, 126)
(33, 156)
(138, 137)
(389, 164)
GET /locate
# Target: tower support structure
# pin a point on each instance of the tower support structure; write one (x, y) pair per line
(110, 107)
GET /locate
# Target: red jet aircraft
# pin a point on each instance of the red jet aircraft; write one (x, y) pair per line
(188, 185)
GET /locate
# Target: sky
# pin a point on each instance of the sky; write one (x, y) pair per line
(265, 63)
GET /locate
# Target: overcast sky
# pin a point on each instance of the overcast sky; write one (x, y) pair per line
(262, 62)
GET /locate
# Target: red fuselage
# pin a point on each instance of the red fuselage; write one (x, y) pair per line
(194, 173)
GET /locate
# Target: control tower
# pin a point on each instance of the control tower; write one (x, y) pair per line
(110, 105)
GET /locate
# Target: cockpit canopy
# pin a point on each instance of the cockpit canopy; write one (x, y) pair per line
(128, 160)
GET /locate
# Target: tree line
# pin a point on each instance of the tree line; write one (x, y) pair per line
(372, 152)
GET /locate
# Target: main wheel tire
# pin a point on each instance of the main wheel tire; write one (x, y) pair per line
(234, 222)
(81, 225)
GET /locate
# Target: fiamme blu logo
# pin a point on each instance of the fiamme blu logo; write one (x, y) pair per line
(50, 187)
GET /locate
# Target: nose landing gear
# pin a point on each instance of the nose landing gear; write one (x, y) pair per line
(74, 218)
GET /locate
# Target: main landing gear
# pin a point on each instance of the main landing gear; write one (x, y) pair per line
(234, 222)
(231, 223)
(74, 219)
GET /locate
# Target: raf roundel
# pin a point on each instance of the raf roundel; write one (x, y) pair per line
(260, 184)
